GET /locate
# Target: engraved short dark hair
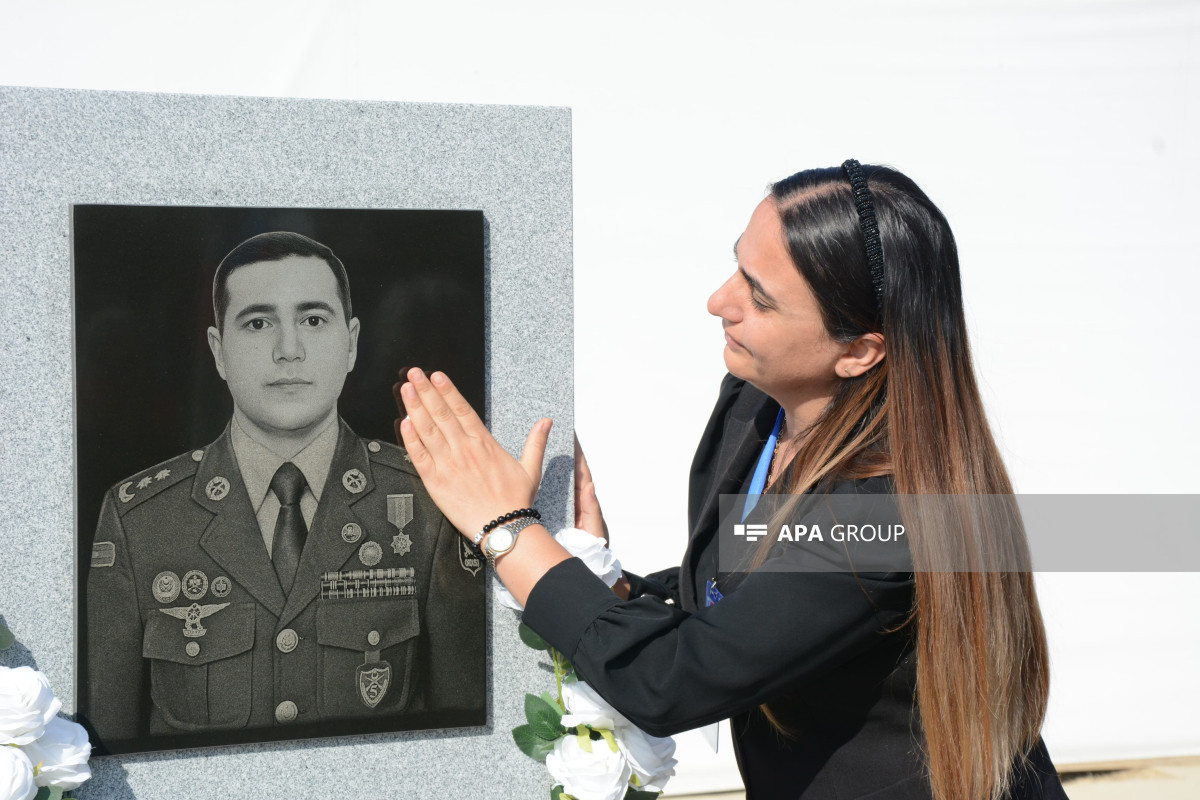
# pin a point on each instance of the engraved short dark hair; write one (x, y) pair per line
(275, 246)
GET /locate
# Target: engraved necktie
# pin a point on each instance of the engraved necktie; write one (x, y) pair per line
(290, 530)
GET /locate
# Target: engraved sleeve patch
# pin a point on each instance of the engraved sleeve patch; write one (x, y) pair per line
(104, 554)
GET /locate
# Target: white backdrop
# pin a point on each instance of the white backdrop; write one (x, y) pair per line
(1059, 136)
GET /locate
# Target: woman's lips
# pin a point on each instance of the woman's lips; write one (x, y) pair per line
(732, 341)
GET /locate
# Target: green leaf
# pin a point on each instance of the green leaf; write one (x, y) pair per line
(552, 700)
(7, 639)
(530, 638)
(585, 739)
(531, 744)
(544, 718)
(49, 793)
(558, 793)
(639, 794)
(607, 736)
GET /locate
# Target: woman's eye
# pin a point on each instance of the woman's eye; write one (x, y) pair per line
(760, 305)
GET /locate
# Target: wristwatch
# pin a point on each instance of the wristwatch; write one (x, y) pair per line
(504, 538)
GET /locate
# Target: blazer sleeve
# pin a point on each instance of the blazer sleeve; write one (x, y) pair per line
(668, 670)
(663, 584)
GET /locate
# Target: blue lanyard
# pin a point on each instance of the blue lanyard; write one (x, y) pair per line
(757, 483)
(759, 480)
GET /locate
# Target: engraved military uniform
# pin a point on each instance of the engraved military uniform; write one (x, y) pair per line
(190, 629)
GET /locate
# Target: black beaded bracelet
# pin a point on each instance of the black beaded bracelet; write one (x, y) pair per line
(510, 516)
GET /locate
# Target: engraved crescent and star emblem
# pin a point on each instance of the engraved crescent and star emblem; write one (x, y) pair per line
(123, 492)
(166, 587)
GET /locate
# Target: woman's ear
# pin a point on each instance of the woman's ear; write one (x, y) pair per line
(861, 355)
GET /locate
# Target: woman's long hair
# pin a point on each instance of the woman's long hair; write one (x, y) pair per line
(982, 672)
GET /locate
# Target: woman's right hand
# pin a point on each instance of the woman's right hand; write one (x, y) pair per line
(588, 516)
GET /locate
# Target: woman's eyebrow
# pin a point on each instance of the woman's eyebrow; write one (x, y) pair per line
(751, 280)
(755, 285)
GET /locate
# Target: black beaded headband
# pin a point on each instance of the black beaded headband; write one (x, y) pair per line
(868, 223)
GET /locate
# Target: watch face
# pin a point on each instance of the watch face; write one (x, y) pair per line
(500, 540)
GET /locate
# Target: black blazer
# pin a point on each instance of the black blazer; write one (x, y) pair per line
(826, 650)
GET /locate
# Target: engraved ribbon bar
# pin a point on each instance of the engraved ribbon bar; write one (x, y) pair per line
(369, 574)
(371, 591)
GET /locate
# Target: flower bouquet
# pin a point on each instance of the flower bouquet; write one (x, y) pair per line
(41, 754)
(593, 751)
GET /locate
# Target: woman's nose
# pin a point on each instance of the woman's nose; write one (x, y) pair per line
(720, 302)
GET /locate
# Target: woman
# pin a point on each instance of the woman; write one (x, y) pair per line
(849, 373)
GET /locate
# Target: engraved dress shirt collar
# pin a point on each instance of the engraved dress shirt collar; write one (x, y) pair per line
(258, 463)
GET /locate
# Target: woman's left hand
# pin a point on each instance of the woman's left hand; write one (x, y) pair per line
(468, 474)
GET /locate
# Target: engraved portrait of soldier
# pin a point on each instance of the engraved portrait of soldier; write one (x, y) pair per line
(289, 577)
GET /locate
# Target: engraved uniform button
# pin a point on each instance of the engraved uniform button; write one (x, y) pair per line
(197, 455)
(374, 447)
(286, 712)
(192, 649)
(351, 532)
(287, 640)
(373, 638)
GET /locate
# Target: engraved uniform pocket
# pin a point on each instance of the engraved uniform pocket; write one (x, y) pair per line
(200, 668)
(368, 654)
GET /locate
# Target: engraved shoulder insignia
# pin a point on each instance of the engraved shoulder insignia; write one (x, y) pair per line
(388, 454)
(138, 488)
(104, 554)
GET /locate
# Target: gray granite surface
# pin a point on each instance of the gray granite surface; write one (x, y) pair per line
(61, 147)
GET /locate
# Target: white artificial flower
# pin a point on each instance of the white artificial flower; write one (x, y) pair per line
(581, 544)
(27, 704)
(651, 757)
(598, 775)
(586, 707)
(62, 753)
(16, 775)
(592, 551)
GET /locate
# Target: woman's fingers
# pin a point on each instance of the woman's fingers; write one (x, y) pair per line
(535, 449)
(467, 417)
(424, 425)
(435, 405)
(583, 474)
(588, 516)
(407, 434)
